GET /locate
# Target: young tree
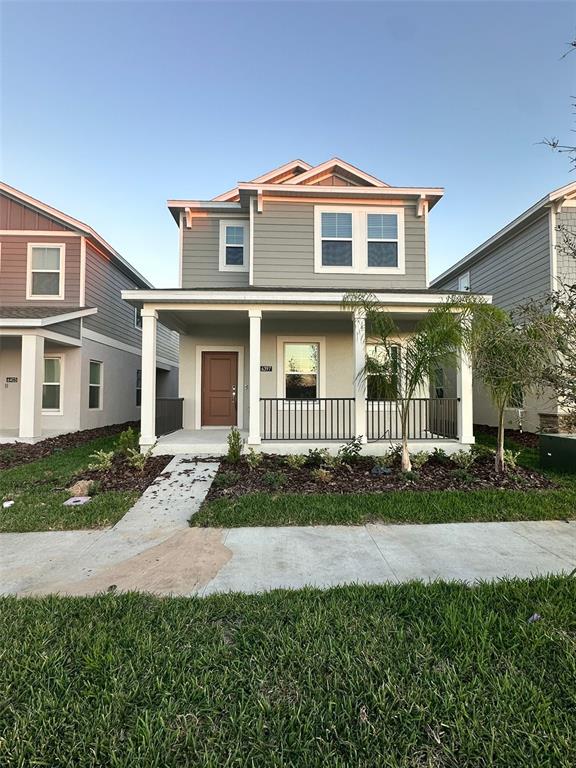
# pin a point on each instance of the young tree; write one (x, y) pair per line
(434, 343)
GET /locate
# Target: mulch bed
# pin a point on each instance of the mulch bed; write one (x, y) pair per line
(122, 477)
(525, 439)
(14, 454)
(274, 475)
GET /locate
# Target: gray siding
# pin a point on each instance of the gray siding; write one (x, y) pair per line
(565, 260)
(514, 270)
(284, 251)
(200, 256)
(67, 328)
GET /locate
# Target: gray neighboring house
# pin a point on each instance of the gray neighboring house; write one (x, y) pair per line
(70, 348)
(265, 343)
(524, 260)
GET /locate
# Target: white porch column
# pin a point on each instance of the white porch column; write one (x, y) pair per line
(31, 379)
(465, 399)
(148, 398)
(255, 316)
(359, 354)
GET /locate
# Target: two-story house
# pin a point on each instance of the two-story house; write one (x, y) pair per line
(69, 346)
(265, 342)
(525, 260)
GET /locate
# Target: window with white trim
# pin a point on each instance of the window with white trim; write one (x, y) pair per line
(336, 239)
(301, 370)
(45, 278)
(52, 385)
(233, 246)
(383, 387)
(137, 319)
(95, 385)
(382, 239)
(464, 282)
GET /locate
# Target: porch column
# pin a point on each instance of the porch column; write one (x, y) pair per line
(148, 363)
(255, 316)
(465, 399)
(31, 379)
(359, 354)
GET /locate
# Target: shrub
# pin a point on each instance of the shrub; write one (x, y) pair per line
(511, 458)
(411, 476)
(235, 445)
(126, 440)
(226, 479)
(101, 460)
(462, 475)
(274, 480)
(95, 488)
(349, 453)
(253, 458)
(317, 456)
(391, 457)
(482, 451)
(138, 460)
(419, 458)
(296, 460)
(463, 459)
(321, 475)
(440, 456)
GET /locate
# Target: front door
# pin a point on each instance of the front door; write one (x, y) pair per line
(219, 389)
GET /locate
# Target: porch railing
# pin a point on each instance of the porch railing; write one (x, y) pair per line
(428, 419)
(168, 415)
(324, 418)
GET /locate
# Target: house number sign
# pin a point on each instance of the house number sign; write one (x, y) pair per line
(11, 380)
(266, 369)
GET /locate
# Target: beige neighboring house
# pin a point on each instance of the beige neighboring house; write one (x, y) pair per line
(524, 260)
(69, 346)
(264, 342)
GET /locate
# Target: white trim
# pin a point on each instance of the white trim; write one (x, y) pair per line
(300, 339)
(553, 249)
(61, 272)
(40, 322)
(40, 232)
(60, 410)
(334, 163)
(359, 240)
(69, 341)
(82, 271)
(251, 245)
(222, 266)
(100, 385)
(108, 341)
(282, 170)
(464, 280)
(426, 255)
(181, 250)
(200, 348)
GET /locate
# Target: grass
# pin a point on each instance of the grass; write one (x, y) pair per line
(397, 506)
(402, 676)
(39, 490)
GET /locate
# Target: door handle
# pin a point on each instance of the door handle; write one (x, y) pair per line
(234, 394)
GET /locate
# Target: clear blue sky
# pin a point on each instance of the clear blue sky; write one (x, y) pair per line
(109, 109)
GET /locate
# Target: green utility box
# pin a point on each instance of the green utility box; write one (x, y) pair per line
(558, 452)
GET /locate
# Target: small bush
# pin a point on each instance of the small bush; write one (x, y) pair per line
(317, 456)
(463, 459)
(412, 476)
(349, 453)
(321, 475)
(274, 480)
(440, 456)
(127, 440)
(235, 445)
(95, 488)
(296, 460)
(511, 458)
(101, 460)
(253, 458)
(419, 458)
(390, 458)
(462, 475)
(138, 460)
(482, 451)
(226, 479)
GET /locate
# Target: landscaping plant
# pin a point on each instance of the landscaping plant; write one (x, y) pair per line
(101, 460)
(321, 475)
(253, 458)
(418, 459)
(136, 459)
(317, 457)
(127, 440)
(296, 460)
(235, 445)
(463, 459)
(349, 453)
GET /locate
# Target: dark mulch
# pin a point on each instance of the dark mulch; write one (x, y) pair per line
(122, 477)
(273, 474)
(525, 439)
(14, 454)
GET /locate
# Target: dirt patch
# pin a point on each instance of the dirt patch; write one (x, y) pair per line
(525, 439)
(13, 454)
(122, 477)
(274, 475)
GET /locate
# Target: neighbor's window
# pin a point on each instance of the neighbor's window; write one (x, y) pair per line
(336, 239)
(301, 370)
(51, 394)
(95, 385)
(45, 278)
(382, 239)
(378, 387)
(138, 387)
(137, 318)
(464, 282)
(233, 241)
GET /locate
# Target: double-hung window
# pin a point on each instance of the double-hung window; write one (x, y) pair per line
(382, 241)
(45, 279)
(301, 369)
(234, 246)
(52, 385)
(95, 386)
(336, 239)
(383, 382)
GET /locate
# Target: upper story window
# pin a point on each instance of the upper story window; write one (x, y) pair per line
(464, 282)
(45, 277)
(234, 246)
(137, 319)
(361, 240)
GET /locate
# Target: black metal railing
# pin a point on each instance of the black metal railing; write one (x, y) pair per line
(168, 415)
(323, 418)
(428, 419)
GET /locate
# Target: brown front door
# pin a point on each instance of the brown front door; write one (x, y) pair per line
(219, 389)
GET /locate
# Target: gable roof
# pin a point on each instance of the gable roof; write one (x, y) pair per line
(75, 224)
(552, 198)
(275, 176)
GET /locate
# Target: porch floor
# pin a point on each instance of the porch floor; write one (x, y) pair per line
(212, 442)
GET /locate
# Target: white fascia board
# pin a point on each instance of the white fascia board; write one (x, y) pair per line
(41, 322)
(317, 190)
(203, 205)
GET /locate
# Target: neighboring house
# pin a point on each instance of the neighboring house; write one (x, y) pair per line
(69, 346)
(524, 260)
(265, 344)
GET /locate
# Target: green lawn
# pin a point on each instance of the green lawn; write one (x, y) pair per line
(39, 490)
(396, 506)
(403, 676)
